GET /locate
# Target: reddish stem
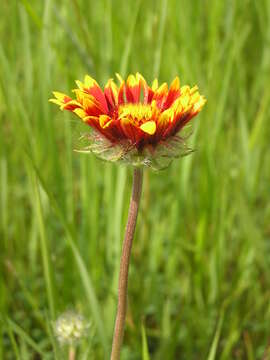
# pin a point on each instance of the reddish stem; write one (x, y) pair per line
(71, 353)
(124, 264)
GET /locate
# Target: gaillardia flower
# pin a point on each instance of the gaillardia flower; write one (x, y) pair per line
(133, 122)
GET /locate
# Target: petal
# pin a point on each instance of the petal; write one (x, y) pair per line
(121, 99)
(91, 107)
(184, 100)
(80, 112)
(93, 122)
(128, 129)
(195, 98)
(70, 105)
(92, 87)
(194, 89)
(155, 85)
(145, 88)
(111, 93)
(133, 89)
(173, 94)
(185, 90)
(165, 117)
(160, 95)
(89, 82)
(119, 77)
(54, 101)
(80, 94)
(199, 105)
(104, 121)
(61, 97)
(149, 127)
(121, 91)
(175, 85)
(164, 121)
(79, 84)
(65, 102)
(91, 119)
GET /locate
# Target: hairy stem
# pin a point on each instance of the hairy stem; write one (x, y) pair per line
(124, 265)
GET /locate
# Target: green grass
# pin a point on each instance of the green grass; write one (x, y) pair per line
(200, 272)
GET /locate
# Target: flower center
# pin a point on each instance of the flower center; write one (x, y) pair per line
(139, 113)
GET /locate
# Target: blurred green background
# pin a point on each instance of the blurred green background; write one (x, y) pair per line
(199, 279)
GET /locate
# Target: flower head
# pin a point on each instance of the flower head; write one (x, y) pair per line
(134, 122)
(70, 327)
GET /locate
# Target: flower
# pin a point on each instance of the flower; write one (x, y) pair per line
(134, 122)
(70, 327)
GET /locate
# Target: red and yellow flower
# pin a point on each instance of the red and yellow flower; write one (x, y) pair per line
(133, 122)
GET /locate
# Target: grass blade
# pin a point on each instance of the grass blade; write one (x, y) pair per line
(213, 349)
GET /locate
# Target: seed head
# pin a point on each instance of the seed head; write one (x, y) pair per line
(70, 327)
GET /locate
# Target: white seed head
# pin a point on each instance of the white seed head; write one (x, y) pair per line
(70, 327)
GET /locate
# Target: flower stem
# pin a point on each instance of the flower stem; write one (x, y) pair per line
(124, 264)
(71, 353)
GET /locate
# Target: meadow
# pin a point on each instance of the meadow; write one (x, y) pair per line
(200, 270)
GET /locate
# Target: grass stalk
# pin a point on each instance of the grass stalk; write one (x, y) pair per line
(44, 251)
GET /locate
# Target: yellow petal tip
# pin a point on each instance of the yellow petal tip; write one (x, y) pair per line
(149, 127)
